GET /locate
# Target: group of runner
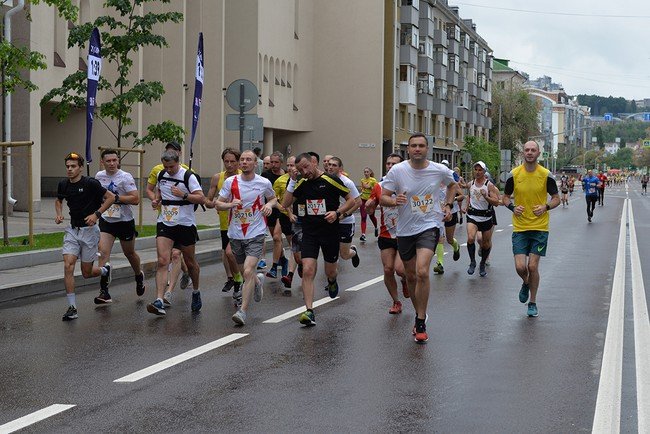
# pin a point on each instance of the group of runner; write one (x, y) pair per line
(420, 203)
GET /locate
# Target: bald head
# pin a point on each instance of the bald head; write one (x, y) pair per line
(531, 143)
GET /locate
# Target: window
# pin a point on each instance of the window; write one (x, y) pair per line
(473, 48)
(440, 56)
(454, 63)
(426, 48)
(464, 40)
(453, 31)
(428, 11)
(414, 3)
(408, 74)
(441, 90)
(425, 83)
(409, 36)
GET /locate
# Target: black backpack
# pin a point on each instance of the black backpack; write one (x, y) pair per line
(186, 181)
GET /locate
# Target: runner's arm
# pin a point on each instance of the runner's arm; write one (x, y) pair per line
(210, 202)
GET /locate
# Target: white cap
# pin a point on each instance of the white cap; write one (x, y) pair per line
(445, 162)
(482, 164)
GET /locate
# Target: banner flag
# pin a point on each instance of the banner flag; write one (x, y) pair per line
(94, 70)
(198, 92)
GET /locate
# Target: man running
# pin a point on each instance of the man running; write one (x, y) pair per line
(118, 222)
(346, 223)
(564, 189)
(590, 185)
(230, 159)
(387, 241)
(644, 184)
(176, 226)
(286, 220)
(318, 193)
(602, 177)
(367, 183)
(244, 196)
(278, 223)
(87, 200)
(530, 183)
(483, 196)
(450, 226)
(412, 186)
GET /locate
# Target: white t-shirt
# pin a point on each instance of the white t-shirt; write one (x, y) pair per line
(120, 183)
(354, 193)
(422, 189)
(172, 215)
(478, 201)
(247, 220)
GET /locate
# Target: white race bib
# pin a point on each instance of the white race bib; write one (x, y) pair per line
(301, 210)
(390, 218)
(114, 211)
(243, 215)
(422, 204)
(316, 207)
(170, 213)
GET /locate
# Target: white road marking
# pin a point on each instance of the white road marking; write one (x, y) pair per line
(641, 331)
(32, 418)
(297, 311)
(139, 375)
(607, 417)
(498, 230)
(366, 284)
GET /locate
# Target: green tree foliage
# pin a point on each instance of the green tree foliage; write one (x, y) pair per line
(14, 59)
(482, 150)
(621, 160)
(642, 158)
(123, 34)
(628, 131)
(518, 117)
(601, 105)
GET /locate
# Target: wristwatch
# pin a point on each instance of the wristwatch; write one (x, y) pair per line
(185, 196)
(548, 207)
(338, 214)
(98, 214)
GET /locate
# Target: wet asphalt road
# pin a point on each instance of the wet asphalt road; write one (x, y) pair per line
(486, 368)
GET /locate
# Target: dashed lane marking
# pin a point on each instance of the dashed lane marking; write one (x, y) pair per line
(32, 418)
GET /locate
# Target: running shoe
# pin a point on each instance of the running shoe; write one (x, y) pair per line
(481, 270)
(421, 336)
(196, 301)
(457, 253)
(439, 269)
(104, 297)
(272, 273)
(70, 314)
(396, 307)
(284, 263)
(307, 318)
(185, 280)
(239, 317)
(472, 267)
(105, 280)
(532, 310)
(523, 293)
(156, 308)
(261, 264)
(287, 280)
(426, 320)
(259, 287)
(362, 238)
(405, 289)
(355, 258)
(332, 288)
(236, 293)
(139, 284)
(376, 232)
(589, 219)
(167, 299)
(228, 285)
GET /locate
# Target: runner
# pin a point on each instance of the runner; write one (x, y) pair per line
(84, 197)
(564, 188)
(387, 241)
(176, 195)
(367, 183)
(572, 183)
(644, 185)
(601, 187)
(244, 195)
(415, 185)
(277, 225)
(230, 159)
(530, 184)
(450, 228)
(319, 194)
(483, 196)
(118, 222)
(346, 223)
(463, 186)
(590, 184)
(287, 217)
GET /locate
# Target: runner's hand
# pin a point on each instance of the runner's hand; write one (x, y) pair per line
(266, 210)
(235, 203)
(401, 199)
(58, 219)
(331, 217)
(519, 210)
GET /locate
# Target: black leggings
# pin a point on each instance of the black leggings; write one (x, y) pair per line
(601, 195)
(591, 204)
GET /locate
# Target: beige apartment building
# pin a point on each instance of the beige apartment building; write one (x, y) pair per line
(353, 79)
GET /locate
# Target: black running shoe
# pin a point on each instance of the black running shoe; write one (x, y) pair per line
(104, 281)
(471, 268)
(70, 314)
(103, 298)
(355, 258)
(139, 284)
(228, 285)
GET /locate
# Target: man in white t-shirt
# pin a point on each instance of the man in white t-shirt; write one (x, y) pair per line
(249, 198)
(176, 196)
(415, 184)
(346, 223)
(117, 221)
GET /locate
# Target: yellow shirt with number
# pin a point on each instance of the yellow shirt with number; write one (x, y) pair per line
(224, 216)
(280, 188)
(529, 190)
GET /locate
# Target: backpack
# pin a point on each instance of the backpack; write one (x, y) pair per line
(186, 182)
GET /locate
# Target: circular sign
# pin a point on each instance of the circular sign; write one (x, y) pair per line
(236, 98)
(503, 177)
(467, 158)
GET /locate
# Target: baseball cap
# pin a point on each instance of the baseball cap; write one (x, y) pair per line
(174, 145)
(482, 164)
(445, 162)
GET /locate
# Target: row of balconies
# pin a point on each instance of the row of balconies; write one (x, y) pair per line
(437, 106)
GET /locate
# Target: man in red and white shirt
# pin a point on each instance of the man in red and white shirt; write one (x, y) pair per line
(387, 241)
(250, 199)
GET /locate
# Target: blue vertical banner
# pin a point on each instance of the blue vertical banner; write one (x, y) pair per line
(198, 92)
(94, 70)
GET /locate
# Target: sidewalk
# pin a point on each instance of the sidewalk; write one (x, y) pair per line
(40, 272)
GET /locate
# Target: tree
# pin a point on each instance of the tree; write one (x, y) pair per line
(621, 160)
(642, 157)
(123, 33)
(518, 117)
(482, 150)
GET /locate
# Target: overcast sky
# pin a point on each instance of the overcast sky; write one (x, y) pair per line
(589, 46)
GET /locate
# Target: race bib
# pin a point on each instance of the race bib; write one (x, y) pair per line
(170, 213)
(316, 207)
(114, 211)
(243, 215)
(390, 218)
(301, 210)
(422, 204)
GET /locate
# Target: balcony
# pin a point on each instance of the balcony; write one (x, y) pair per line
(440, 71)
(472, 61)
(409, 15)
(425, 64)
(453, 46)
(472, 116)
(407, 93)
(472, 88)
(464, 55)
(440, 38)
(426, 28)
(461, 113)
(425, 101)
(452, 78)
(439, 107)
(462, 83)
(408, 55)
(450, 112)
(481, 67)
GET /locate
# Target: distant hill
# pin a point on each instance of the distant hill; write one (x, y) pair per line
(601, 104)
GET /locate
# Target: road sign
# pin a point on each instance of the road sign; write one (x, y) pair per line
(646, 143)
(608, 116)
(467, 158)
(250, 94)
(646, 117)
(252, 125)
(544, 155)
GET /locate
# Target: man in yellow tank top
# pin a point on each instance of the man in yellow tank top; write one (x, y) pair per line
(530, 184)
